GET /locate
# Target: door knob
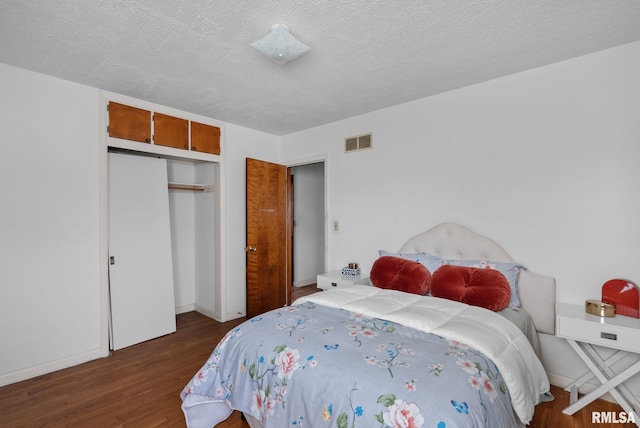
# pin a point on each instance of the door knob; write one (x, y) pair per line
(251, 248)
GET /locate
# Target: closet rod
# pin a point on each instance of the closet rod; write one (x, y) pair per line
(192, 187)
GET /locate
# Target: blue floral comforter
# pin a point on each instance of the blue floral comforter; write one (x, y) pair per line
(310, 365)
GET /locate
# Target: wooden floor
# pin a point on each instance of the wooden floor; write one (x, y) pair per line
(139, 386)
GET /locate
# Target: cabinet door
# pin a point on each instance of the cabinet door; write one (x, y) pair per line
(129, 123)
(170, 131)
(205, 138)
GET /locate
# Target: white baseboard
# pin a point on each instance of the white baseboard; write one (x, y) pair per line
(185, 309)
(305, 282)
(208, 312)
(41, 369)
(235, 315)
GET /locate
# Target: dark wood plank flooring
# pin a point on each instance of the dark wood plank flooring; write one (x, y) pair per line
(139, 386)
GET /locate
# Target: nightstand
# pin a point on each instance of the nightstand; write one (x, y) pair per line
(336, 279)
(582, 330)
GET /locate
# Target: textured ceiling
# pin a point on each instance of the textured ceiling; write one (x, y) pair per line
(194, 55)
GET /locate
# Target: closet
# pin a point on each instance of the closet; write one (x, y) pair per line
(164, 227)
(192, 207)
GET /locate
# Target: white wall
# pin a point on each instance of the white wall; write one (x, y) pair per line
(545, 162)
(49, 228)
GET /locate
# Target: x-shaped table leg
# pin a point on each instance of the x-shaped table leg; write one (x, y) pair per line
(610, 381)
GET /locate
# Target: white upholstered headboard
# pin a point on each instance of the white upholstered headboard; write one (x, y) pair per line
(452, 241)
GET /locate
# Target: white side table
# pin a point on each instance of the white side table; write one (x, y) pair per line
(335, 279)
(582, 330)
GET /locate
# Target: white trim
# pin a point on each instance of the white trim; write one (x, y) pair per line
(208, 313)
(31, 372)
(305, 282)
(184, 309)
(221, 233)
(234, 315)
(167, 152)
(324, 158)
(306, 161)
(103, 159)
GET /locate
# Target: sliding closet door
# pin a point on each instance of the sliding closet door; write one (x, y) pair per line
(140, 264)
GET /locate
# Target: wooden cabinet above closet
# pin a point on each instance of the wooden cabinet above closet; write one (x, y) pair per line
(145, 126)
(170, 131)
(205, 138)
(129, 123)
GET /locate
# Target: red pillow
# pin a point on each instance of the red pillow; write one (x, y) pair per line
(400, 274)
(487, 288)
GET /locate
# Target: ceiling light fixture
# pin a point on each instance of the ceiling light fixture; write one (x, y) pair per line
(279, 45)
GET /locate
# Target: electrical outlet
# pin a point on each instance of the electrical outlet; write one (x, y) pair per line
(336, 226)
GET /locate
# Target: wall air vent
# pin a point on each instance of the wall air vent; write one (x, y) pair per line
(359, 142)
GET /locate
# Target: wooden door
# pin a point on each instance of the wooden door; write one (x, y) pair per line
(140, 267)
(267, 231)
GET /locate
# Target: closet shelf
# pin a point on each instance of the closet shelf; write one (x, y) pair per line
(191, 186)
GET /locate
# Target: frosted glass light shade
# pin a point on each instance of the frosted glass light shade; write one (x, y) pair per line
(279, 45)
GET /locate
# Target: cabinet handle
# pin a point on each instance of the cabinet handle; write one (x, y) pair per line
(194, 148)
(610, 336)
(334, 284)
(251, 249)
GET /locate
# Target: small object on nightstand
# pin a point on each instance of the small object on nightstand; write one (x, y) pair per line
(601, 309)
(350, 273)
(624, 295)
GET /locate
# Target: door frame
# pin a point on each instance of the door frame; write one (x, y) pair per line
(307, 161)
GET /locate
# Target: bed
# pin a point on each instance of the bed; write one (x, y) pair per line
(378, 356)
